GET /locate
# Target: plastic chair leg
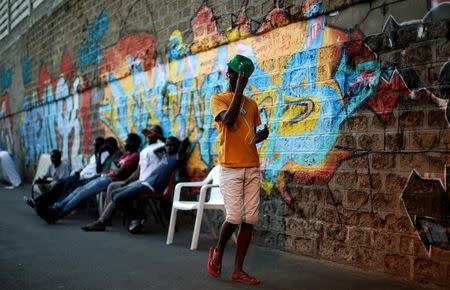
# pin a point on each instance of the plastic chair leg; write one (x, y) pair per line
(197, 226)
(171, 231)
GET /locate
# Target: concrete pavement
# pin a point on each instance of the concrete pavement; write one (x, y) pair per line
(34, 255)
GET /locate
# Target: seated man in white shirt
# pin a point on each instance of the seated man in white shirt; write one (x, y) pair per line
(57, 170)
(8, 171)
(100, 162)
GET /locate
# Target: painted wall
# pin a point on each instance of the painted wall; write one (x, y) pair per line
(356, 107)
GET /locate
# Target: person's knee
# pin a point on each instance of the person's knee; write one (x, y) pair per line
(252, 219)
(235, 219)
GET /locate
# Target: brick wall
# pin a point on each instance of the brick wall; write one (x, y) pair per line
(354, 93)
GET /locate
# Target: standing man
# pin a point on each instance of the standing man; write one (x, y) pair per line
(237, 117)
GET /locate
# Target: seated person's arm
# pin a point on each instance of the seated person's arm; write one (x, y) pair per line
(129, 164)
(133, 177)
(159, 151)
(183, 151)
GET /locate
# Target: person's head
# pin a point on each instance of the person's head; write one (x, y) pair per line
(171, 145)
(237, 64)
(55, 157)
(153, 133)
(98, 144)
(111, 145)
(133, 142)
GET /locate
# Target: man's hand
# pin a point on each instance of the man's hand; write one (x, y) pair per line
(262, 135)
(241, 82)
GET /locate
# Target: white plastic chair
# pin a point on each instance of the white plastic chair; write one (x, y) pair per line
(215, 202)
(42, 167)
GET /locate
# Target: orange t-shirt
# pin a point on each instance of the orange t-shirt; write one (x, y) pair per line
(237, 143)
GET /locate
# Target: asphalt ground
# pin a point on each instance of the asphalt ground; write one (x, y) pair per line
(35, 255)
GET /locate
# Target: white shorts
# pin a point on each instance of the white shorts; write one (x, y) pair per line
(240, 189)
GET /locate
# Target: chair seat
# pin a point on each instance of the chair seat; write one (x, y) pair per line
(191, 205)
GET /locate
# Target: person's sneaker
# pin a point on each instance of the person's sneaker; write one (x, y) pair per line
(96, 226)
(29, 202)
(135, 226)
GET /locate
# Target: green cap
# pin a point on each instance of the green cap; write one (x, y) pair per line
(240, 63)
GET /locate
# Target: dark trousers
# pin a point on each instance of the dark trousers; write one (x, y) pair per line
(59, 191)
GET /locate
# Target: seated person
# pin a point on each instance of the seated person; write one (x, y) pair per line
(120, 170)
(148, 160)
(57, 170)
(172, 156)
(8, 171)
(104, 153)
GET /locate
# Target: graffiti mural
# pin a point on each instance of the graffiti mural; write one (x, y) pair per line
(307, 83)
(6, 123)
(51, 117)
(91, 50)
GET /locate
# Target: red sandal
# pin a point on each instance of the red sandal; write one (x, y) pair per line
(214, 268)
(244, 278)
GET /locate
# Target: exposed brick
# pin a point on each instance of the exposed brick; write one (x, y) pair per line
(395, 141)
(443, 50)
(372, 142)
(386, 241)
(407, 162)
(427, 271)
(369, 220)
(346, 141)
(368, 258)
(356, 200)
(335, 251)
(307, 247)
(336, 232)
(407, 245)
(395, 183)
(357, 123)
(360, 237)
(398, 265)
(423, 140)
(437, 119)
(357, 162)
(412, 119)
(345, 180)
(440, 254)
(383, 161)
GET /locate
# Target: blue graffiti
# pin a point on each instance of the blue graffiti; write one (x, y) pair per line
(91, 50)
(5, 78)
(26, 71)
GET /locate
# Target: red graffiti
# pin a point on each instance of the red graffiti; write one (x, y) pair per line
(84, 118)
(66, 66)
(44, 79)
(138, 45)
(385, 98)
(276, 18)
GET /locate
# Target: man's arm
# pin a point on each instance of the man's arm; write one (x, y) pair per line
(229, 116)
(183, 151)
(134, 176)
(261, 135)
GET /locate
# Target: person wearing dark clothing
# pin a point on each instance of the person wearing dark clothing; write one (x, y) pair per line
(120, 170)
(172, 157)
(104, 153)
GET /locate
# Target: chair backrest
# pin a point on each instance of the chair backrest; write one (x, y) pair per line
(42, 167)
(215, 196)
